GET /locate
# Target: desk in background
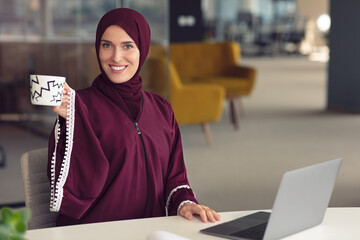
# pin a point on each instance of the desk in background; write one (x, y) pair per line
(339, 223)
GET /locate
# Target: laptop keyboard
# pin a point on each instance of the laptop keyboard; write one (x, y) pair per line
(256, 232)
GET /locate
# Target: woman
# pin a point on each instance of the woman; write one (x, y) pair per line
(115, 151)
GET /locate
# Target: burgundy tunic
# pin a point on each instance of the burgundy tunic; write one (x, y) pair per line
(107, 163)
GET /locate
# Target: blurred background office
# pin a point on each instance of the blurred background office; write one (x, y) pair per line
(302, 109)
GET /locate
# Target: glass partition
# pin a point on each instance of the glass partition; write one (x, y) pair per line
(52, 37)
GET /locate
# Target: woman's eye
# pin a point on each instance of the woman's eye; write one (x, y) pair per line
(106, 45)
(128, 46)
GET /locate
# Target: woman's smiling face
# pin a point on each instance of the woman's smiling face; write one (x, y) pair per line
(119, 56)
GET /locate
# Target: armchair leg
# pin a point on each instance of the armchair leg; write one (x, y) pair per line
(234, 110)
(2, 157)
(206, 129)
(234, 113)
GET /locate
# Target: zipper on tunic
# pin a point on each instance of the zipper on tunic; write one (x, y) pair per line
(137, 128)
(146, 167)
(145, 157)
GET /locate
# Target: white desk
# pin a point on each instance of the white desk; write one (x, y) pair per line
(339, 223)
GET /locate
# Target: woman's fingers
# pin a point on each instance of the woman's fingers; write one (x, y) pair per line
(206, 214)
(67, 87)
(62, 109)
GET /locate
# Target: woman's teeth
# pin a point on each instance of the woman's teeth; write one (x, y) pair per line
(116, 68)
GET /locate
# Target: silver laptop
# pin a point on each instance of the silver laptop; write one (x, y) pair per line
(300, 203)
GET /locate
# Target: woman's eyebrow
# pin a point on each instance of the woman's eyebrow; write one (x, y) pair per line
(127, 42)
(104, 40)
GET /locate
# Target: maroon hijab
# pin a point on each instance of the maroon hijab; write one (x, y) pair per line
(125, 95)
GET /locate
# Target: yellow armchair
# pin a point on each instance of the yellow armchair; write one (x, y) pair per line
(215, 63)
(192, 103)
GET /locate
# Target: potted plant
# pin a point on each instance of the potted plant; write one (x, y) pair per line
(13, 224)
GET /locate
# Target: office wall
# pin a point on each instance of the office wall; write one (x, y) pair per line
(312, 9)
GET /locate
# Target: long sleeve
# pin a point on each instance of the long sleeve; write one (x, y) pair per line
(77, 166)
(178, 190)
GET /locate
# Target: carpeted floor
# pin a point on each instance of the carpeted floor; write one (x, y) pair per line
(285, 127)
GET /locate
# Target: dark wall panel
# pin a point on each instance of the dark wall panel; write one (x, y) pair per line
(344, 64)
(186, 21)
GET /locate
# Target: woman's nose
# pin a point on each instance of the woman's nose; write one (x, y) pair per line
(117, 55)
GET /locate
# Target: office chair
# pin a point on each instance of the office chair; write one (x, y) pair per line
(37, 188)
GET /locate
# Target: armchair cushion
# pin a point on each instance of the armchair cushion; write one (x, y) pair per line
(198, 103)
(216, 63)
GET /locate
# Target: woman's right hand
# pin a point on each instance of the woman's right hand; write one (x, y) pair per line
(62, 109)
